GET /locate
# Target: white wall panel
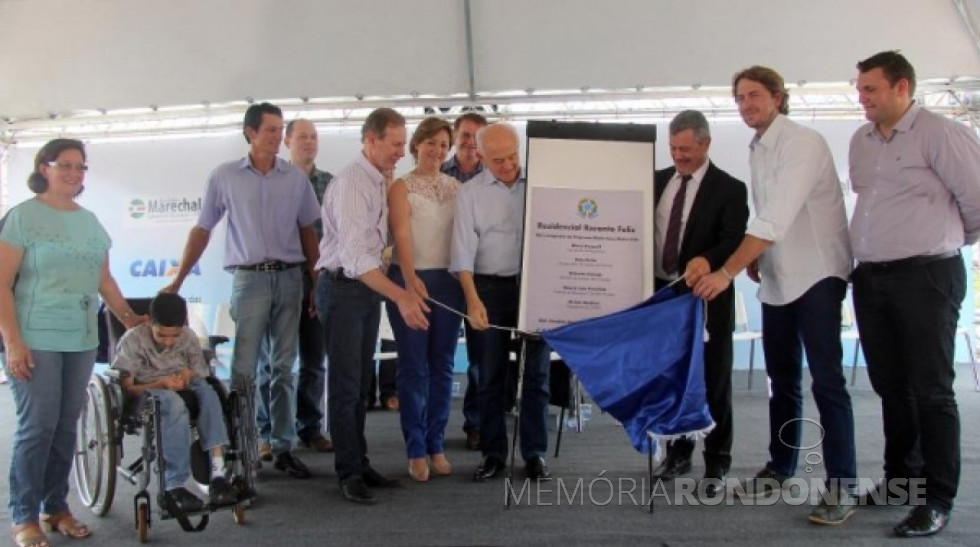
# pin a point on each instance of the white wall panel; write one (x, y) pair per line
(178, 168)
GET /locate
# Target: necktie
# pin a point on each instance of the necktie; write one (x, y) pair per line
(672, 243)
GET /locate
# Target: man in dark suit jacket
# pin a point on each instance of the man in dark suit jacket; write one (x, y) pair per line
(701, 214)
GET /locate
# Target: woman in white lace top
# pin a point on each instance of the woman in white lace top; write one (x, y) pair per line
(421, 206)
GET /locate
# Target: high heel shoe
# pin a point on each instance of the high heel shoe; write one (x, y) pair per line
(66, 524)
(29, 535)
(418, 469)
(440, 465)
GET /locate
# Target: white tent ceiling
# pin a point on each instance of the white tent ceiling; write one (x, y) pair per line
(59, 58)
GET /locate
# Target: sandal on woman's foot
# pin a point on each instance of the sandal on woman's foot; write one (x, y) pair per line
(29, 535)
(440, 464)
(418, 469)
(66, 524)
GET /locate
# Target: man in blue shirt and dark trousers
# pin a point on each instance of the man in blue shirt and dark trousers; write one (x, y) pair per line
(486, 255)
(464, 166)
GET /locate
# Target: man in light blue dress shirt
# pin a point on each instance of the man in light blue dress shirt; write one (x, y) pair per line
(464, 166)
(486, 255)
(271, 211)
(302, 141)
(350, 286)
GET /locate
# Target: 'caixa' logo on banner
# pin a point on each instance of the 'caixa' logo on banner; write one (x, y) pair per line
(164, 267)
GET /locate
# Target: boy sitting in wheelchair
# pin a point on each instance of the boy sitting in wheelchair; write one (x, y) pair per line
(164, 357)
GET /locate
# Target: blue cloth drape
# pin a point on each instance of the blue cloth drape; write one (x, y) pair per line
(644, 366)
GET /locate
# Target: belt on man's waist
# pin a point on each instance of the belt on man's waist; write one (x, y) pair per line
(496, 278)
(910, 262)
(270, 266)
(338, 275)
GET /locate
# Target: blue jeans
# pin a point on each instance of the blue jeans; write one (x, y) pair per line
(812, 322)
(352, 313)
(176, 432)
(268, 304)
(48, 406)
(312, 377)
(500, 297)
(425, 363)
(263, 388)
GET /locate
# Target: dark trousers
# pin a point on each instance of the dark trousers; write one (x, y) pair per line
(351, 313)
(907, 319)
(717, 383)
(811, 322)
(312, 372)
(383, 383)
(471, 399)
(500, 296)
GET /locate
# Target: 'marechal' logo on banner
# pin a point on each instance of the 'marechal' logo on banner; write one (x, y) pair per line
(137, 208)
(142, 210)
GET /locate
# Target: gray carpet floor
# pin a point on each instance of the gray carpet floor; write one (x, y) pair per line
(456, 511)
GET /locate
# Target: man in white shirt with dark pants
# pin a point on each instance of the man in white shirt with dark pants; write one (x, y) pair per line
(797, 248)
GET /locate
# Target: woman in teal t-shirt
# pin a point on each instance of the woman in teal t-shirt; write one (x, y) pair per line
(58, 253)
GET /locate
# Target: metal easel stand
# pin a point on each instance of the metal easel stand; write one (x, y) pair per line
(521, 362)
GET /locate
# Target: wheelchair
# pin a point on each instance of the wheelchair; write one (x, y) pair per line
(110, 414)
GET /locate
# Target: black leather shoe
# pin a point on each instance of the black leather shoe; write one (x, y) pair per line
(376, 480)
(672, 468)
(921, 521)
(714, 481)
(537, 469)
(354, 489)
(221, 493)
(490, 468)
(292, 466)
(182, 498)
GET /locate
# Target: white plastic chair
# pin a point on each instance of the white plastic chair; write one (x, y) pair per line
(965, 333)
(223, 325)
(196, 314)
(384, 333)
(743, 333)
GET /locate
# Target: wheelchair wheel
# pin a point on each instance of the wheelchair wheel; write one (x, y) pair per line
(95, 450)
(142, 521)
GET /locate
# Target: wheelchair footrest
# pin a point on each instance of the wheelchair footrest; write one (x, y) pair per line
(170, 510)
(132, 471)
(165, 514)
